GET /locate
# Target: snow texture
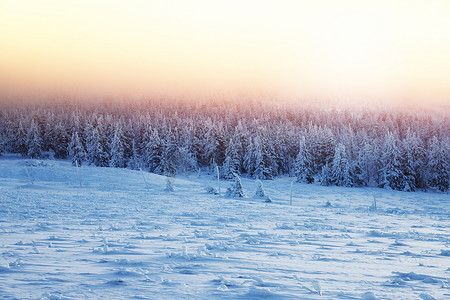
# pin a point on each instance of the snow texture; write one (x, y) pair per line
(121, 235)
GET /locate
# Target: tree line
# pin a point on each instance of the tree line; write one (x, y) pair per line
(401, 149)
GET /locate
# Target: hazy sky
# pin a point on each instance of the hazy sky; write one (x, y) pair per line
(308, 49)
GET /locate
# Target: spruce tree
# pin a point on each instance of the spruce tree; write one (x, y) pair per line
(95, 154)
(303, 168)
(48, 138)
(169, 184)
(413, 150)
(21, 140)
(34, 141)
(250, 157)
(261, 193)
(76, 150)
(135, 160)
(60, 140)
(228, 168)
(167, 164)
(231, 164)
(264, 167)
(325, 179)
(438, 177)
(153, 150)
(117, 149)
(185, 161)
(215, 144)
(240, 143)
(322, 146)
(235, 190)
(391, 173)
(2, 144)
(361, 167)
(340, 168)
(407, 163)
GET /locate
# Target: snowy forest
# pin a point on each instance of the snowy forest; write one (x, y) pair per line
(400, 149)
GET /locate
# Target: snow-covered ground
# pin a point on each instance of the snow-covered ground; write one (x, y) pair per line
(121, 235)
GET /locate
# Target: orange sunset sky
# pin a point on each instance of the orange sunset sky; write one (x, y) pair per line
(383, 49)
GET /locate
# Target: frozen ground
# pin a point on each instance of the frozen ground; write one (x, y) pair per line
(118, 236)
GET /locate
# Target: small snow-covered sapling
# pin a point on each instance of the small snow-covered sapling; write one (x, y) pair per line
(373, 207)
(317, 287)
(169, 184)
(235, 190)
(211, 190)
(261, 193)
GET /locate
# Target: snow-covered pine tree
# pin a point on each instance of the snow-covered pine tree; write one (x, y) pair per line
(249, 157)
(303, 168)
(325, 178)
(34, 141)
(95, 153)
(340, 168)
(169, 184)
(438, 163)
(60, 140)
(214, 142)
(231, 163)
(348, 138)
(153, 150)
(9, 132)
(106, 131)
(134, 162)
(280, 151)
(2, 144)
(90, 143)
(377, 158)
(228, 168)
(235, 190)
(240, 141)
(48, 134)
(75, 124)
(264, 168)
(322, 144)
(21, 140)
(391, 173)
(185, 161)
(261, 193)
(359, 178)
(128, 136)
(76, 150)
(417, 158)
(407, 167)
(361, 168)
(51, 154)
(117, 149)
(167, 164)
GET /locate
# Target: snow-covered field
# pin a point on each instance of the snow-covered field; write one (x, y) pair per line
(121, 235)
